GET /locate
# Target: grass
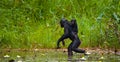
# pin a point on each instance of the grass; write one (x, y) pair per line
(35, 23)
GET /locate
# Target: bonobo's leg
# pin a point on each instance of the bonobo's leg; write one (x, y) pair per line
(61, 39)
(70, 53)
(75, 46)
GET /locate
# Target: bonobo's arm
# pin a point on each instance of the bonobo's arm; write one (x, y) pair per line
(63, 42)
(64, 36)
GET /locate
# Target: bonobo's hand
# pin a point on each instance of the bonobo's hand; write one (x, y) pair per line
(63, 43)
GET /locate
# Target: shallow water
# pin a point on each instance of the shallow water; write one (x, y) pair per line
(55, 56)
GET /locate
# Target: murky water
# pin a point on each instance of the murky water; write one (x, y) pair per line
(54, 56)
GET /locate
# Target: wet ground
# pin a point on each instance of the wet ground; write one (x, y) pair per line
(59, 55)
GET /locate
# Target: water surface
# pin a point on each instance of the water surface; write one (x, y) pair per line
(53, 55)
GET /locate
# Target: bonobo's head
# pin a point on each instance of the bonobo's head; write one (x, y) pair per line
(62, 21)
(73, 22)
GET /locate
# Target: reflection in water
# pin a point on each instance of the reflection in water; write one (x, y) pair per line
(53, 56)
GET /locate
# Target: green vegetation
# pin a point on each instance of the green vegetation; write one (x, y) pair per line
(35, 23)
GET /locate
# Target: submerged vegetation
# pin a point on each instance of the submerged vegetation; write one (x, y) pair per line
(35, 23)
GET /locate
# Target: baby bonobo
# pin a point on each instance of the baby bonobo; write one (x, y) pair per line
(69, 33)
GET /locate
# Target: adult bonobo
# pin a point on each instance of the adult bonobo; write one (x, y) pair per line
(73, 26)
(66, 25)
(69, 33)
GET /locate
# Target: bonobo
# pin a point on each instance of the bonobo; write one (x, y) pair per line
(69, 33)
(73, 26)
(64, 23)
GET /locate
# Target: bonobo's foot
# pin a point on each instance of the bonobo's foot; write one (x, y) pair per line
(63, 43)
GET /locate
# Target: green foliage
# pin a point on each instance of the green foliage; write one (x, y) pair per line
(35, 23)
